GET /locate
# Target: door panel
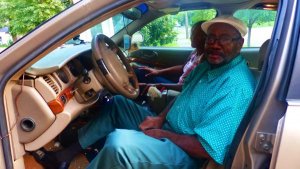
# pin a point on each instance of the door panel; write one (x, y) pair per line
(160, 57)
(165, 57)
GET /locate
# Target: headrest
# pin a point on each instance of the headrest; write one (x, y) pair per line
(262, 53)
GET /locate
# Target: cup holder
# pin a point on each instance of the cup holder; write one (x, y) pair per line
(27, 124)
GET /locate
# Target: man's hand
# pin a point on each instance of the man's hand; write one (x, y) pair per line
(159, 133)
(152, 123)
(188, 143)
(152, 72)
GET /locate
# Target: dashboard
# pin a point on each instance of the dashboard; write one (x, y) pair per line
(53, 92)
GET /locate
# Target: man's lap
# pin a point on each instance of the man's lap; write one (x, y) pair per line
(134, 149)
(122, 113)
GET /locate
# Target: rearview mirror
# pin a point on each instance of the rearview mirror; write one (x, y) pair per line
(136, 12)
(132, 13)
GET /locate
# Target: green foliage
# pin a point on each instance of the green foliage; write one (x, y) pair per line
(159, 32)
(197, 15)
(253, 17)
(22, 16)
(180, 17)
(67, 3)
(202, 15)
(258, 17)
(3, 46)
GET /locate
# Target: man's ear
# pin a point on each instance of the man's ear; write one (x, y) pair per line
(241, 42)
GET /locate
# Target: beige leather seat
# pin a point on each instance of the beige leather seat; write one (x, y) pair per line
(261, 58)
(262, 54)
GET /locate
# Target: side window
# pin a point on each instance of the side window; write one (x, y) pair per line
(173, 30)
(260, 25)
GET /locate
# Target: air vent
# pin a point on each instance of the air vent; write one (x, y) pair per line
(51, 84)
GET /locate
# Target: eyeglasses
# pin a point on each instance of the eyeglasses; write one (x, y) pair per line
(223, 40)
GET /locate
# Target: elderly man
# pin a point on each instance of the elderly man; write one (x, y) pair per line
(199, 125)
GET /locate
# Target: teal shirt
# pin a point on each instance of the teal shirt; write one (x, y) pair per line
(212, 105)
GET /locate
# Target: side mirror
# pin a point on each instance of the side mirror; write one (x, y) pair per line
(132, 42)
(137, 37)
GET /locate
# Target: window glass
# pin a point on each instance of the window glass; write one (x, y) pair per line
(108, 27)
(18, 17)
(260, 25)
(174, 30)
(111, 26)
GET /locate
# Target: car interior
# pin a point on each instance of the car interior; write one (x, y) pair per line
(56, 91)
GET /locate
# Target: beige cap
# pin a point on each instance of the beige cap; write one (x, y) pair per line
(236, 23)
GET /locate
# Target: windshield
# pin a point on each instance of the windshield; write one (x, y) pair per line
(108, 27)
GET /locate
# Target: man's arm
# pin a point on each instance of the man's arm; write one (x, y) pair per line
(156, 122)
(151, 126)
(174, 71)
(172, 86)
(189, 144)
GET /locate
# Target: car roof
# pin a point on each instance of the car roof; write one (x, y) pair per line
(222, 6)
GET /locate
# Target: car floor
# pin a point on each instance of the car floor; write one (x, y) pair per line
(79, 162)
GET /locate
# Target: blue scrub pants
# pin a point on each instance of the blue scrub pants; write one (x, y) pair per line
(126, 147)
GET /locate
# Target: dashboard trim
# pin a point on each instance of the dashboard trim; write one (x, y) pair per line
(57, 105)
(57, 59)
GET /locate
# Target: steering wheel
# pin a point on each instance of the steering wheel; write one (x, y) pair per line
(115, 72)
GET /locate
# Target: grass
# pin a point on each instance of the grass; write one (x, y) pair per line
(3, 46)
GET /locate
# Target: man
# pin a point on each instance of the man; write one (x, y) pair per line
(151, 75)
(199, 125)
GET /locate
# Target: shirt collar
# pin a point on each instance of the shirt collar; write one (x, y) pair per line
(214, 73)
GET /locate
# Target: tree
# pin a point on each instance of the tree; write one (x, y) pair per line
(22, 16)
(159, 32)
(197, 15)
(252, 17)
(202, 15)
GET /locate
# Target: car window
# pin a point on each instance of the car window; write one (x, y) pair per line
(18, 18)
(260, 25)
(108, 27)
(175, 29)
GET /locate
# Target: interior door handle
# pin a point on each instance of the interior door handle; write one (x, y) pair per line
(149, 54)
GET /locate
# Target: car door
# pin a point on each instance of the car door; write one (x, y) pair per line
(268, 135)
(160, 57)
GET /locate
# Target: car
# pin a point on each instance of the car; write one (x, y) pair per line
(54, 76)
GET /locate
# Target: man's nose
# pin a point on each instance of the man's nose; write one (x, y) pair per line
(215, 44)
